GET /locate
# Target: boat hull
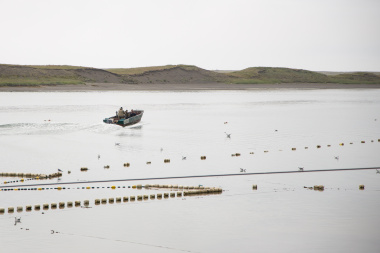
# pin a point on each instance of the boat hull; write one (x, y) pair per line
(125, 121)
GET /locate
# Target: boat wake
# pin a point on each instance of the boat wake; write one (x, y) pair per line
(60, 128)
(40, 128)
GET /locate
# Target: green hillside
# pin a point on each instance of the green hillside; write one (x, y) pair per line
(357, 77)
(258, 75)
(276, 75)
(29, 75)
(22, 75)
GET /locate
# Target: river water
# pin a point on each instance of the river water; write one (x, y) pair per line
(272, 130)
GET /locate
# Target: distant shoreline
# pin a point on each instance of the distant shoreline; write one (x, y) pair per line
(182, 87)
(174, 77)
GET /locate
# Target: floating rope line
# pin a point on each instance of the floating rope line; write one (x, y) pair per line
(31, 176)
(124, 241)
(147, 186)
(195, 176)
(63, 188)
(112, 200)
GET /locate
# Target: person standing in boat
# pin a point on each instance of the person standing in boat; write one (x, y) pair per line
(121, 113)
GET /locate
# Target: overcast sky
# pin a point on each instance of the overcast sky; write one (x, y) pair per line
(332, 35)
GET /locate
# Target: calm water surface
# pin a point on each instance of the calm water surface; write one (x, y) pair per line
(42, 132)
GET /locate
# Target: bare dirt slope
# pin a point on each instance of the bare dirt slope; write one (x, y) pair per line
(20, 75)
(178, 75)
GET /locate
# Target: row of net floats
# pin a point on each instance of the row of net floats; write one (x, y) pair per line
(32, 176)
(294, 149)
(198, 190)
(322, 188)
(340, 144)
(28, 176)
(174, 187)
(234, 155)
(139, 186)
(128, 164)
(86, 203)
(61, 188)
(315, 187)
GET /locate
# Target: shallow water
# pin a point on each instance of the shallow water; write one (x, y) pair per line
(41, 132)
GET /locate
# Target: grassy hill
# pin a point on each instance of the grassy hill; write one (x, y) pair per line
(19, 75)
(276, 75)
(23, 75)
(140, 71)
(357, 77)
(176, 74)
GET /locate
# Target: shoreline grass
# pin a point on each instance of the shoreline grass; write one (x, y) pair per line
(37, 82)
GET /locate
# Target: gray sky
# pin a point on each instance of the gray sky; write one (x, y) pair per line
(333, 35)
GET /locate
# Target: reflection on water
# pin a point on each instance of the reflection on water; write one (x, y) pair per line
(282, 215)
